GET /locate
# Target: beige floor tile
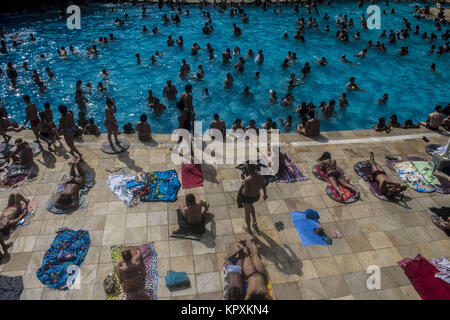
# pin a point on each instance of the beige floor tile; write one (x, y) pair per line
(208, 282)
(379, 240)
(311, 289)
(326, 267)
(348, 263)
(389, 256)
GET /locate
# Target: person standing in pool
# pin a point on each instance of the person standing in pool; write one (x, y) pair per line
(111, 122)
(170, 91)
(218, 124)
(68, 129)
(248, 194)
(32, 116)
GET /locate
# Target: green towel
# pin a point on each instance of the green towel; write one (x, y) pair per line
(426, 169)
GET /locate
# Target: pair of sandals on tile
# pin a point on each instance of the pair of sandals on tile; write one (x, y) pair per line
(334, 233)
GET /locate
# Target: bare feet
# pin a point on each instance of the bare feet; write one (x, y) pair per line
(247, 229)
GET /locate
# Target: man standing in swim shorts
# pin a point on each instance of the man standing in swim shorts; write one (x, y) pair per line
(248, 194)
(32, 116)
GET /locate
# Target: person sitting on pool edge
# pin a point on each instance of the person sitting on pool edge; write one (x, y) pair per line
(68, 198)
(16, 210)
(434, 119)
(143, 129)
(388, 188)
(91, 128)
(130, 271)
(408, 124)
(328, 165)
(381, 126)
(311, 127)
(194, 211)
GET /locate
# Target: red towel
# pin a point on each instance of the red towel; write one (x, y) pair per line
(191, 175)
(421, 274)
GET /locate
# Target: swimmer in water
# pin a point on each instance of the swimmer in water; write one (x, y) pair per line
(260, 57)
(383, 99)
(322, 62)
(351, 85)
(226, 56)
(362, 53)
(170, 91)
(345, 60)
(273, 96)
(246, 93)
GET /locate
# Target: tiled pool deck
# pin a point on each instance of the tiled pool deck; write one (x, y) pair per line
(375, 232)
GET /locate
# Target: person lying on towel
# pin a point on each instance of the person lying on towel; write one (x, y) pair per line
(68, 198)
(236, 289)
(254, 272)
(388, 188)
(194, 211)
(130, 271)
(21, 157)
(328, 165)
(16, 210)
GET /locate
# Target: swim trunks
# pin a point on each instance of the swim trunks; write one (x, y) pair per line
(234, 268)
(241, 199)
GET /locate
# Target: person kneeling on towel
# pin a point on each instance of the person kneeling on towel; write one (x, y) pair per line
(130, 271)
(68, 197)
(194, 211)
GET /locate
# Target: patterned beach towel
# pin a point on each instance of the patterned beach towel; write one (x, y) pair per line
(150, 282)
(411, 177)
(290, 173)
(54, 271)
(145, 186)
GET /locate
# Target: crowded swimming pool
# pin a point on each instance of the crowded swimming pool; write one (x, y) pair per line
(413, 89)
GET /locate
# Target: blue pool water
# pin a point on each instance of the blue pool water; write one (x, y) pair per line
(413, 91)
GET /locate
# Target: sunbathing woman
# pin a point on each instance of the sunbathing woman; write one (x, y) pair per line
(130, 271)
(16, 210)
(254, 272)
(68, 198)
(328, 166)
(388, 188)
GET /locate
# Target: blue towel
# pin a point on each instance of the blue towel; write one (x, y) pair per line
(164, 186)
(55, 273)
(305, 228)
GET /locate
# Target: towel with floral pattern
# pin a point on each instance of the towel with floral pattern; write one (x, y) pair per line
(55, 272)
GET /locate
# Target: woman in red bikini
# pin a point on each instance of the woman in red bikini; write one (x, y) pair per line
(328, 166)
